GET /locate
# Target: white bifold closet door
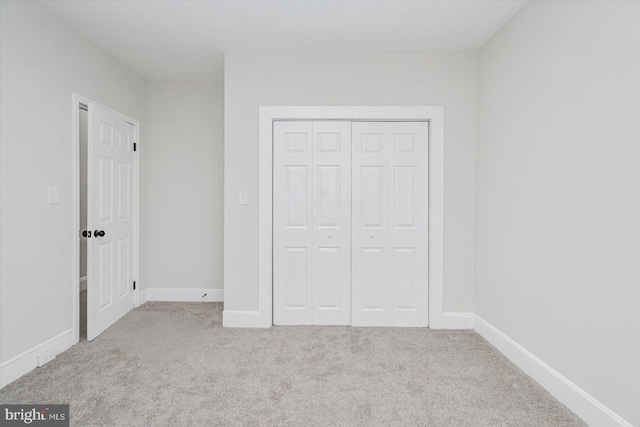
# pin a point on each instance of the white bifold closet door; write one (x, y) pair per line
(390, 261)
(312, 223)
(350, 223)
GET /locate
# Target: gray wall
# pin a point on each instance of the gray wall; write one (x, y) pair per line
(558, 194)
(253, 80)
(42, 62)
(185, 195)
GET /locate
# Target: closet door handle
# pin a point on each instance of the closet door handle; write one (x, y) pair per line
(372, 235)
(330, 235)
(99, 233)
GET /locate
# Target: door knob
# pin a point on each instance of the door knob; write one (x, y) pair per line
(99, 233)
(330, 235)
(373, 236)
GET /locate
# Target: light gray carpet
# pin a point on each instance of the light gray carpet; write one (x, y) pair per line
(172, 364)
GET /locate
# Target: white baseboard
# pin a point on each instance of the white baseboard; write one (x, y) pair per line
(25, 362)
(573, 397)
(83, 283)
(182, 295)
(453, 320)
(144, 296)
(241, 319)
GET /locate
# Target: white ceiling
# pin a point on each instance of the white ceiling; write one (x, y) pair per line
(184, 40)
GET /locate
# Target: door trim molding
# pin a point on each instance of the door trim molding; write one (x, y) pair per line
(78, 100)
(434, 115)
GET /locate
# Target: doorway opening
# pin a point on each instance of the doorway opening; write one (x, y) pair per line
(83, 123)
(105, 260)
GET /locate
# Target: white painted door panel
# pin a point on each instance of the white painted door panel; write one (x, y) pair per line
(332, 223)
(390, 224)
(312, 223)
(370, 233)
(292, 223)
(110, 204)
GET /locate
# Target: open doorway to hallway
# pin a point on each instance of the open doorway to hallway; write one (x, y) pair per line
(105, 217)
(82, 259)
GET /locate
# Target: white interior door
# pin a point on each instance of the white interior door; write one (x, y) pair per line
(390, 262)
(110, 218)
(311, 223)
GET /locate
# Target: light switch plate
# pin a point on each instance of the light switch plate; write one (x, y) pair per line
(52, 195)
(243, 198)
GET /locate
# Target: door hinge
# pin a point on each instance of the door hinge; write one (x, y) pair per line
(135, 146)
(134, 285)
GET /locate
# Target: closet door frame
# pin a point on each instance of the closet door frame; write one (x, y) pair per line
(432, 114)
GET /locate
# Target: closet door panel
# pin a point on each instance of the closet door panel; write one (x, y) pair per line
(370, 226)
(390, 224)
(331, 223)
(292, 223)
(409, 299)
